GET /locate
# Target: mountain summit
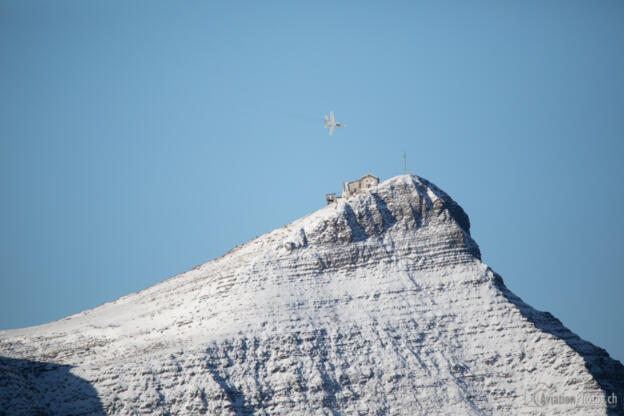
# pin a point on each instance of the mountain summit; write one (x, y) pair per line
(377, 304)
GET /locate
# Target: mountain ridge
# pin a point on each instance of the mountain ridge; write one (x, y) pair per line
(378, 304)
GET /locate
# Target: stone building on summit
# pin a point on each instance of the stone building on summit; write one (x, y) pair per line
(358, 186)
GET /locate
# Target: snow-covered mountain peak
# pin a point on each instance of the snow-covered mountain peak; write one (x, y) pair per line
(405, 202)
(376, 304)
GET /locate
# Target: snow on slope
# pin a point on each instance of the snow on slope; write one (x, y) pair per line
(378, 305)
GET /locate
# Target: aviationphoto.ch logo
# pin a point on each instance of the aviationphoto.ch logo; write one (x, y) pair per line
(543, 395)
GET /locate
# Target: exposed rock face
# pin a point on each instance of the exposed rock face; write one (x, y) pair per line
(375, 305)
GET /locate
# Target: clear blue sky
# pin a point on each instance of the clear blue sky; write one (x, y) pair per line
(139, 139)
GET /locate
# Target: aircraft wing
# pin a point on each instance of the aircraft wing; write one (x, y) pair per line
(331, 130)
(331, 116)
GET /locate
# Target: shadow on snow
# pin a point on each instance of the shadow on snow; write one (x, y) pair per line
(39, 388)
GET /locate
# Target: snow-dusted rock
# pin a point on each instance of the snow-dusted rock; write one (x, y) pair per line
(377, 305)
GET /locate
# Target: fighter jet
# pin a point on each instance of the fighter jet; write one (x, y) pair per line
(331, 123)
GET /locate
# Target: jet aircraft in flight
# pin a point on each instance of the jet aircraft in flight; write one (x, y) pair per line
(331, 123)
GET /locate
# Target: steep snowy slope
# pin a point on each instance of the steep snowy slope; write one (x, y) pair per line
(378, 305)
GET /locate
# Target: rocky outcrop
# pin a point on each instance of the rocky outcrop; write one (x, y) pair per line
(378, 304)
